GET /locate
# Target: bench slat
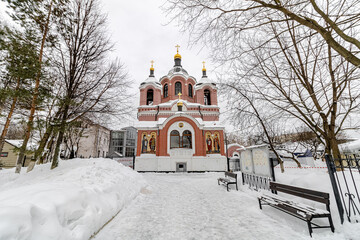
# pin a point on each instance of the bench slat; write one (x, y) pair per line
(299, 206)
(301, 192)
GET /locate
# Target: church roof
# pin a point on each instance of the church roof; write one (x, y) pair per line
(178, 69)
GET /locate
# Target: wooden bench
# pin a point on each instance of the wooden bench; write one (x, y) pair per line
(230, 178)
(299, 210)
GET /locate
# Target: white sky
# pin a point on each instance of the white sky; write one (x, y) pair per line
(141, 34)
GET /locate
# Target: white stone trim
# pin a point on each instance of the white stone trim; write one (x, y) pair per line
(175, 126)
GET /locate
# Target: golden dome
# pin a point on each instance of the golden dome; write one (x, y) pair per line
(177, 55)
(204, 69)
(152, 65)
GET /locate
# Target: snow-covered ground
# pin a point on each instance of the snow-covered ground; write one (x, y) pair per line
(72, 201)
(77, 199)
(193, 206)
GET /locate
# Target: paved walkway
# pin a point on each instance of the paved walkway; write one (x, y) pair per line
(193, 206)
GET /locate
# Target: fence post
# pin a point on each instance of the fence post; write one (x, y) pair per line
(134, 162)
(331, 170)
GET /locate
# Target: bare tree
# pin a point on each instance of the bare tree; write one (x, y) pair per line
(230, 22)
(90, 79)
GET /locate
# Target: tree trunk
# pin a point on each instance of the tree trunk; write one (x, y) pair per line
(45, 157)
(41, 147)
(35, 96)
(55, 161)
(8, 119)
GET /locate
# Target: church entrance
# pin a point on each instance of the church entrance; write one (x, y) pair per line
(180, 167)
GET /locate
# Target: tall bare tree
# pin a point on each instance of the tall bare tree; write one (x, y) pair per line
(304, 79)
(335, 21)
(90, 78)
(299, 57)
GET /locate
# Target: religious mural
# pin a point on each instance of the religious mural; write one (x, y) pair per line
(148, 142)
(212, 142)
(208, 142)
(216, 142)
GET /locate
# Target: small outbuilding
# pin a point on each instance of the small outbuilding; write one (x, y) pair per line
(10, 152)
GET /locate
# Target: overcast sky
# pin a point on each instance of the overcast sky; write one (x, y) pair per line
(141, 34)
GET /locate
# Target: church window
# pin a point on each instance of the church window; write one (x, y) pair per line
(165, 91)
(186, 139)
(190, 91)
(174, 139)
(178, 88)
(207, 100)
(150, 97)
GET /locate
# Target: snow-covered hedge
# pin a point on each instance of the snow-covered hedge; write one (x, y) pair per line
(70, 202)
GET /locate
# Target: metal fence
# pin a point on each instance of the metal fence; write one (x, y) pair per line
(256, 182)
(345, 180)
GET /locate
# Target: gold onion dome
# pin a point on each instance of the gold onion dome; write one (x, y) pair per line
(204, 69)
(152, 65)
(177, 55)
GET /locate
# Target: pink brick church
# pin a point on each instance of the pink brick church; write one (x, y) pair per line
(178, 123)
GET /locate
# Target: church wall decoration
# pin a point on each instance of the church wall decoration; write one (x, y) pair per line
(148, 142)
(216, 142)
(212, 142)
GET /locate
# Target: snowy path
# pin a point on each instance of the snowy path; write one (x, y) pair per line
(193, 206)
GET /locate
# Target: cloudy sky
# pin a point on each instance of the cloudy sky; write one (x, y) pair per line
(142, 33)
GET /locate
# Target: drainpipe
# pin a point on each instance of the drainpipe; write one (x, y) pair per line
(227, 156)
(156, 116)
(201, 114)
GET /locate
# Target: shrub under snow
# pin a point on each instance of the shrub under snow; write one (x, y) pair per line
(70, 202)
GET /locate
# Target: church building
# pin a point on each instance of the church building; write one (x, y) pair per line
(178, 123)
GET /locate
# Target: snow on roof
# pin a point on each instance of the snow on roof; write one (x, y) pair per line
(350, 147)
(18, 143)
(234, 144)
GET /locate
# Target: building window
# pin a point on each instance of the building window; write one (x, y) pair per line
(186, 139)
(190, 91)
(130, 152)
(150, 97)
(174, 139)
(4, 154)
(178, 88)
(165, 91)
(207, 100)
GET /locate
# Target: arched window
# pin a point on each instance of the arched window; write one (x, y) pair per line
(190, 91)
(150, 97)
(178, 88)
(186, 139)
(165, 91)
(207, 100)
(174, 139)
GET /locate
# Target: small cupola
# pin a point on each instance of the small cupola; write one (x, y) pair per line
(204, 70)
(177, 57)
(152, 69)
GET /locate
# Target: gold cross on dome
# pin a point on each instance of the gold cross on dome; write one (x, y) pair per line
(203, 64)
(179, 94)
(177, 47)
(152, 63)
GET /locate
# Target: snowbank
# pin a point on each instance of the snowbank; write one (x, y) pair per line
(70, 202)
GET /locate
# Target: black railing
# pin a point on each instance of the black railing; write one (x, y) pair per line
(345, 180)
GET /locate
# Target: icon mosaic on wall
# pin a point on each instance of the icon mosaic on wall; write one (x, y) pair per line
(148, 143)
(212, 143)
